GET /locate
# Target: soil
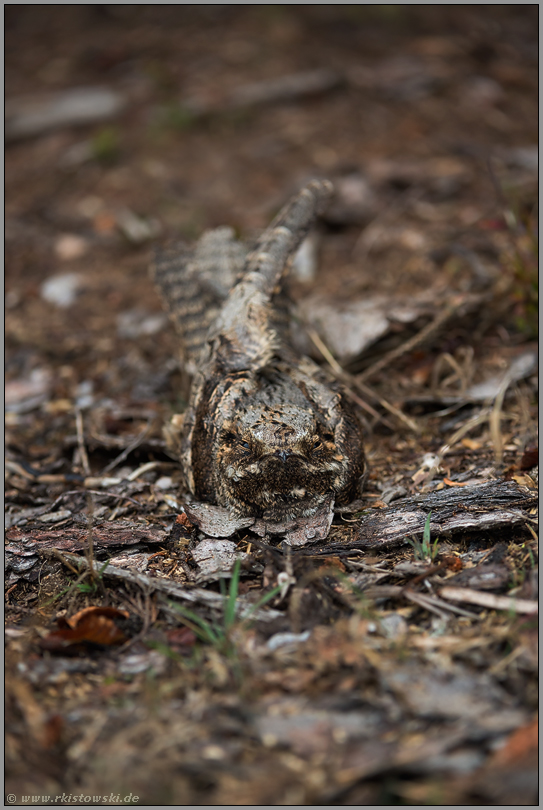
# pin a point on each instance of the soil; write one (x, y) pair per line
(388, 691)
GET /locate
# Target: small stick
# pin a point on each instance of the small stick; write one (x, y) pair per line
(411, 424)
(481, 417)
(349, 380)
(55, 552)
(494, 420)
(149, 465)
(489, 600)
(430, 602)
(81, 443)
(126, 452)
(89, 551)
(440, 319)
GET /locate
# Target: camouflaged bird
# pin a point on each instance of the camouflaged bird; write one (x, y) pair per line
(267, 435)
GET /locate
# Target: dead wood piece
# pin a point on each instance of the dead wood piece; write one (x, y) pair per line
(389, 530)
(383, 591)
(81, 106)
(490, 600)
(486, 577)
(286, 88)
(491, 494)
(23, 542)
(493, 506)
(283, 89)
(177, 591)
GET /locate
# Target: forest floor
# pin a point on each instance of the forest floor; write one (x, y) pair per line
(383, 665)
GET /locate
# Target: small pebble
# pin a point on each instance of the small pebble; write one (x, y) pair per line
(281, 639)
(62, 289)
(393, 626)
(84, 395)
(70, 246)
(140, 662)
(164, 483)
(135, 228)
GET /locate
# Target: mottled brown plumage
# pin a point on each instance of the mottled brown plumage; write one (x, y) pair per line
(267, 434)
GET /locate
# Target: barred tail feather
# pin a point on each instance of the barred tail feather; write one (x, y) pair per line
(194, 283)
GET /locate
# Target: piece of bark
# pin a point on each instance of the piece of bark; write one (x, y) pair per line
(23, 542)
(215, 557)
(79, 106)
(282, 89)
(483, 577)
(493, 506)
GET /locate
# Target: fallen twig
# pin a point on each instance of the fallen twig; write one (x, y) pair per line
(489, 600)
(436, 605)
(132, 446)
(352, 382)
(515, 372)
(175, 590)
(425, 476)
(147, 467)
(83, 457)
(284, 88)
(441, 318)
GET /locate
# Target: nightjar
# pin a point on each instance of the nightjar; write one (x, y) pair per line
(267, 434)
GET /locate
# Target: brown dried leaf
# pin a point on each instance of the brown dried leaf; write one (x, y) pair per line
(522, 742)
(82, 615)
(90, 626)
(530, 457)
(451, 562)
(181, 639)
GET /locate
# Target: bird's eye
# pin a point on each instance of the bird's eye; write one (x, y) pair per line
(245, 445)
(317, 444)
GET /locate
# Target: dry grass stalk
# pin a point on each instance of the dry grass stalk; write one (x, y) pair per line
(132, 446)
(83, 457)
(489, 600)
(351, 382)
(430, 328)
(479, 419)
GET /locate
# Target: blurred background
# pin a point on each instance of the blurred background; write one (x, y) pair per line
(127, 125)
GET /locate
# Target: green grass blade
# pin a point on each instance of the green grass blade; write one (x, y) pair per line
(426, 532)
(230, 607)
(202, 628)
(261, 602)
